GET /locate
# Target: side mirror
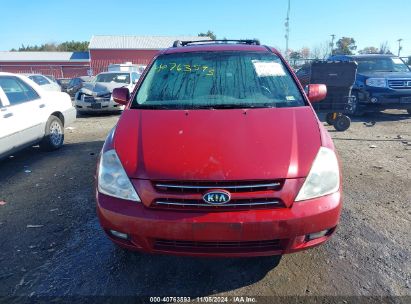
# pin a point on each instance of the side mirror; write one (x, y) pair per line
(316, 92)
(121, 95)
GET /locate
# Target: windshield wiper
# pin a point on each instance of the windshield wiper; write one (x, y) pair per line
(236, 106)
(155, 107)
(267, 105)
(225, 106)
(206, 107)
(387, 71)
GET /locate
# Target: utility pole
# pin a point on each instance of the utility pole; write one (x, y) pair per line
(287, 30)
(332, 44)
(399, 47)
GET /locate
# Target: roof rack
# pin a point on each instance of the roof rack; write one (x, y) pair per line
(179, 43)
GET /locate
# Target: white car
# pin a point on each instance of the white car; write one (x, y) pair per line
(30, 115)
(45, 82)
(96, 96)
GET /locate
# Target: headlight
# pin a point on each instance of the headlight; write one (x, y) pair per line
(113, 180)
(324, 176)
(376, 82)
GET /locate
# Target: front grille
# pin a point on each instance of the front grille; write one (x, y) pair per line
(232, 186)
(188, 195)
(89, 98)
(233, 203)
(217, 247)
(399, 84)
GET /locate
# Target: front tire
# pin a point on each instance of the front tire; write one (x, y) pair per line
(342, 123)
(54, 135)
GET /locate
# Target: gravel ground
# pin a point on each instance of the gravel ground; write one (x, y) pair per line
(51, 243)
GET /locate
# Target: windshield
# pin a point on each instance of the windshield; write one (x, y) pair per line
(113, 77)
(387, 64)
(218, 80)
(40, 80)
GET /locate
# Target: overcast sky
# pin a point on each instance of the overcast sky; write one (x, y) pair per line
(312, 21)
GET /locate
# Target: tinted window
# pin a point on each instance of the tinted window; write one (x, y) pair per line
(40, 80)
(382, 64)
(218, 80)
(17, 91)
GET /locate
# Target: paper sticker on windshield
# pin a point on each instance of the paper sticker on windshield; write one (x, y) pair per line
(266, 69)
(121, 77)
(397, 60)
(290, 98)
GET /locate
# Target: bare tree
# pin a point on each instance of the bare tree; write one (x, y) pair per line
(315, 52)
(321, 51)
(385, 48)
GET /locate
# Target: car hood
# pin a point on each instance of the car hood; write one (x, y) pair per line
(390, 75)
(217, 144)
(101, 88)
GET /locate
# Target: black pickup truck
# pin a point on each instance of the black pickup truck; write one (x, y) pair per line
(382, 82)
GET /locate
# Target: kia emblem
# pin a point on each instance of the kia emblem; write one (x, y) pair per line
(216, 197)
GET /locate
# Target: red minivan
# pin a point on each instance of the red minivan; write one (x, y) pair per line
(219, 153)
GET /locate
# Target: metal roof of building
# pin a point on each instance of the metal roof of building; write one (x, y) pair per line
(138, 42)
(44, 56)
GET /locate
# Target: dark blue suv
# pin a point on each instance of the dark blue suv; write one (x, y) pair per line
(382, 82)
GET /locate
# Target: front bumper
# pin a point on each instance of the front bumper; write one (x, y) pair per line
(242, 233)
(103, 105)
(385, 98)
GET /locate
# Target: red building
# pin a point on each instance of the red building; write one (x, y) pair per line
(58, 64)
(103, 51)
